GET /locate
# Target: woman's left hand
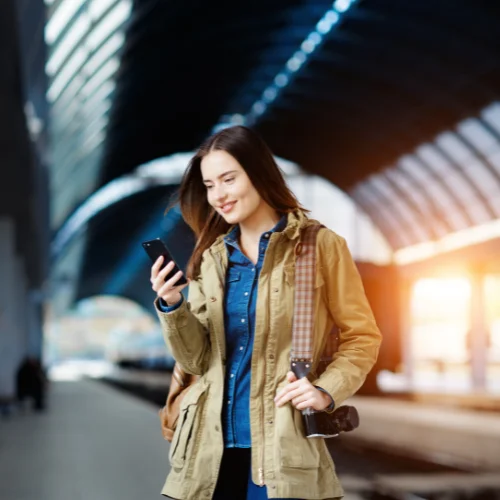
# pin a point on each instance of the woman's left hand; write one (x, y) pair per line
(302, 394)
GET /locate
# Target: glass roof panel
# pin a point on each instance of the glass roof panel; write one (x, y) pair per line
(454, 147)
(478, 135)
(491, 115)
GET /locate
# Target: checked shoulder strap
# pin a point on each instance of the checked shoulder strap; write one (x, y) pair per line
(303, 317)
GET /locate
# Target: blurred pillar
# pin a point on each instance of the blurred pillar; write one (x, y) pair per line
(13, 316)
(406, 329)
(478, 335)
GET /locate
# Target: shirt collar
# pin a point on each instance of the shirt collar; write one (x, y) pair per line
(234, 234)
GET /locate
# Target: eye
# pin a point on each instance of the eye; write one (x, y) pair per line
(229, 180)
(208, 187)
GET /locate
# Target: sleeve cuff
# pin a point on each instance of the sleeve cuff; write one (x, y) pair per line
(162, 305)
(331, 407)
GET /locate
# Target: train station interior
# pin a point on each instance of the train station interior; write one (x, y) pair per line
(384, 118)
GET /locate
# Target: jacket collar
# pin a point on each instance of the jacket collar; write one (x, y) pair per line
(296, 221)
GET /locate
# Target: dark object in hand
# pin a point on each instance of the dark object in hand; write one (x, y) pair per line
(326, 425)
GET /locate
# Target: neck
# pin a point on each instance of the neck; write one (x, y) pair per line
(264, 219)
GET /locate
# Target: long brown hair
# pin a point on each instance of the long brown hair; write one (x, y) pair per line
(253, 154)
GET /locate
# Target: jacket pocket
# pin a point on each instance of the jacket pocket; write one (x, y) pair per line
(296, 451)
(190, 408)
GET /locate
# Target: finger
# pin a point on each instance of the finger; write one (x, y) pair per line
(170, 284)
(160, 278)
(156, 267)
(288, 397)
(291, 377)
(286, 389)
(164, 272)
(164, 289)
(305, 396)
(306, 404)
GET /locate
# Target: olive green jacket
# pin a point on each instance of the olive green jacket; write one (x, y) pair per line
(290, 465)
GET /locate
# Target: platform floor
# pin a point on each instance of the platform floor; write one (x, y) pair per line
(97, 443)
(92, 443)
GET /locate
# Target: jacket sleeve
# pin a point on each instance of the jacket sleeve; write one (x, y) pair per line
(360, 337)
(186, 332)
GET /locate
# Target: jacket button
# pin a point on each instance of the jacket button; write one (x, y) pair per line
(270, 422)
(217, 428)
(271, 356)
(275, 290)
(212, 299)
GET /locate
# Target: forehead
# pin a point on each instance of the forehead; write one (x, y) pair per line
(216, 163)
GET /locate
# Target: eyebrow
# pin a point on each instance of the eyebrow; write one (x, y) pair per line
(221, 175)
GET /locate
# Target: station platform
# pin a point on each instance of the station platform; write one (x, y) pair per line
(453, 436)
(92, 443)
(97, 442)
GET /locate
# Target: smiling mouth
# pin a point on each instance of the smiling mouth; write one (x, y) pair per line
(228, 207)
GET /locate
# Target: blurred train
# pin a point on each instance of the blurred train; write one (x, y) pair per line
(144, 351)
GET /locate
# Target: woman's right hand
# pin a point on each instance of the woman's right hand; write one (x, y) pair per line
(166, 290)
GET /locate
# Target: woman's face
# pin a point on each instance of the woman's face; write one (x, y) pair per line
(229, 189)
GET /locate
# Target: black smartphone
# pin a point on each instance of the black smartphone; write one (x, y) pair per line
(155, 249)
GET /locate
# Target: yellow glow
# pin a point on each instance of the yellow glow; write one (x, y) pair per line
(454, 241)
(440, 317)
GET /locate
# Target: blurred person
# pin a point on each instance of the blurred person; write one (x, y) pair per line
(239, 434)
(31, 381)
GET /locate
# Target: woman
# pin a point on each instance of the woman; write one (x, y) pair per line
(239, 433)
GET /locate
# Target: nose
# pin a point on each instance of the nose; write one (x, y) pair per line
(219, 194)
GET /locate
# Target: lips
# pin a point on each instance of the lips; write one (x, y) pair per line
(227, 207)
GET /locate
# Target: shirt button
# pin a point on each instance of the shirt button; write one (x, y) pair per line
(253, 269)
(246, 293)
(241, 348)
(242, 320)
(266, 235)
(228, 401)
(232, 375)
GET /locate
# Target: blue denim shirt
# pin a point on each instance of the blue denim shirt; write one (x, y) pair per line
(240, 301)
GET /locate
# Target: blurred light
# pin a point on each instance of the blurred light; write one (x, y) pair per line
(102, 93)
(449, 289)
(98, 7)
(104, 53)
(69, 94)
(61, 18)
(106, 72)
(281, 80)
(95, 140)
(68, 43)
(67, 73)
(315, 38)
(237, 119)
(341, 5)
(259, 107)
(454, 241)
(295, 62)
(109, 24)
(270, 94)
(327, 22)
(308, 46)
(99, 109)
